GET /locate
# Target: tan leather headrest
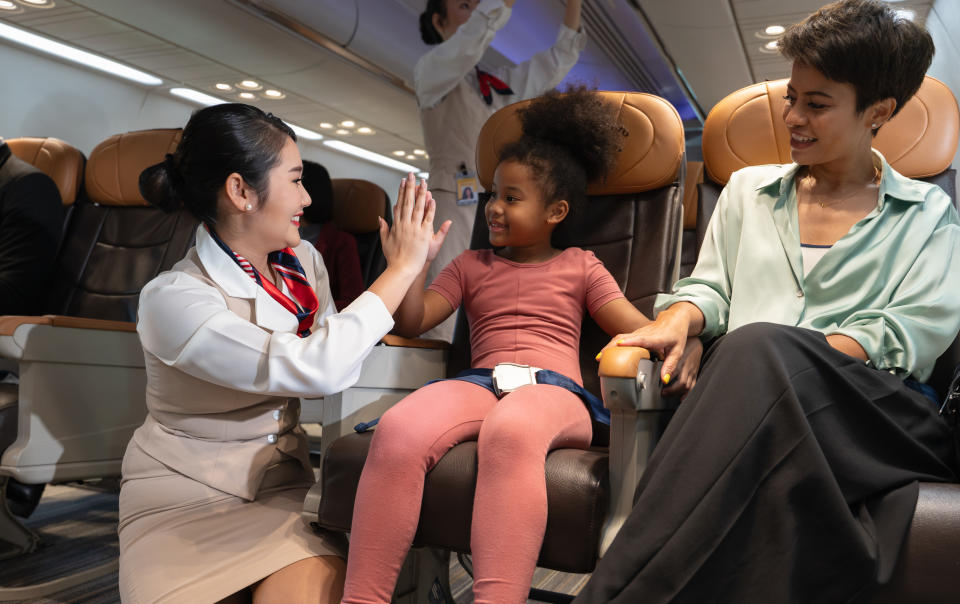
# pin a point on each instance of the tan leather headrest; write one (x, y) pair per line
(60, 161)
(651, 154)
(691, 196)
(746, 129)
(114, 167)
(356, 205)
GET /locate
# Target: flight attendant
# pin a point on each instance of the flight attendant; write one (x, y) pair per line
(456, 98)
(790, 471)
(214, 480)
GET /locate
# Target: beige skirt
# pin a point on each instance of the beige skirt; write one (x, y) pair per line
(183, 541)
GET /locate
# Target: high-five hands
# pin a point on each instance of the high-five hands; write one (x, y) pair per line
(411, 241)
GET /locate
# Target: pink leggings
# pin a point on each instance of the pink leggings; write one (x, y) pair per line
(514, 435)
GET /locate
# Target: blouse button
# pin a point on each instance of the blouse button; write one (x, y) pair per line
(276, 414)
(272, 439)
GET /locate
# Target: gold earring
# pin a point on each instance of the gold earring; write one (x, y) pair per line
(248, 207)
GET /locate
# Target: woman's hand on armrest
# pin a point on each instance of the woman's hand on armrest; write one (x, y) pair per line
(686, 374)
(667, 336)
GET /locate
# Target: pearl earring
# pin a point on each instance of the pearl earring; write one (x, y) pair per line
(248, 207)
(874, 125)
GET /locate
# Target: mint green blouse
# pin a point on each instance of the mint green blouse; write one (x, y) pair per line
(892, 283)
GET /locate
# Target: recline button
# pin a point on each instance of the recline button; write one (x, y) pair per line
(272, 439)
(276, 414)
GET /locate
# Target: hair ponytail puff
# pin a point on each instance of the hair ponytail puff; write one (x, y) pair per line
(162, 185)
(428, 32)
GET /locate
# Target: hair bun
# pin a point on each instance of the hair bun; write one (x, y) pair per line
(428, 32)
(159, 185)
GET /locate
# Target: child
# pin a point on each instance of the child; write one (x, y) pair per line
(525, 301)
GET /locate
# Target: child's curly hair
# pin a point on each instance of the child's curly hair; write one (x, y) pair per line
(569, 139)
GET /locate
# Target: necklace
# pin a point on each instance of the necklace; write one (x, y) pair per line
(873, 181)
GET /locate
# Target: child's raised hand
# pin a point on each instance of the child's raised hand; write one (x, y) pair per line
(407, 242)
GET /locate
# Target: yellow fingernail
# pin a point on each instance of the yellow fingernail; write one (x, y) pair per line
(599, 354)
(619, 342)
(666, 378)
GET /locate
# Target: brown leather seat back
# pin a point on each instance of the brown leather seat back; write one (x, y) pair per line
(746, 128)
(116, 242)
(59, 160)
(631, 221)
(356, 206)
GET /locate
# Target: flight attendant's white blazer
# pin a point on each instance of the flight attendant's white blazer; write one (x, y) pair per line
(225, 366)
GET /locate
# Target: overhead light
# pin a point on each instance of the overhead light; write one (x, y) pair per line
(304, 133)
(419, 152)
(7, 5)
(196, 96)
(76, 55)
(906, 14)
(249, 85)
(771, 45)
(400, 153)
(774, 30)
(247, 95)
(342, 132)
(222, 86)
(364, 130)
(326, 125)
(424, 175)
(36, 2)
(348, 123)
(383, 160)
(411, 156)
(273, 94)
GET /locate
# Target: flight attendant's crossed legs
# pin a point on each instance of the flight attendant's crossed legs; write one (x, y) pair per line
(514, 436)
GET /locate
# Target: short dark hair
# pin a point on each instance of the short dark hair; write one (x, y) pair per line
(568, 139)
(316, 180)
(217, 141)
(863, 43)
(428, 32)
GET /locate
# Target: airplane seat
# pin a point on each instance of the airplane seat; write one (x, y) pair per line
(746, 128)
(694, 223)
(82, 379)
(356, 206)
(59, 160)
(116, 242)
(633, 223)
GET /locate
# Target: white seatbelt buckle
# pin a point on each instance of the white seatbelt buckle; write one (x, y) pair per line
(508, 377)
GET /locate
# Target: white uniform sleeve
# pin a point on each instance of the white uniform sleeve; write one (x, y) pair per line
(440, 70)
(547, 68)
(187, 325)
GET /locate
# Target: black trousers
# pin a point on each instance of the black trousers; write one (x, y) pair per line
(789, 474)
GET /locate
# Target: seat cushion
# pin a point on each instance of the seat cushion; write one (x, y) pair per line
(577, 499)
(929, 564)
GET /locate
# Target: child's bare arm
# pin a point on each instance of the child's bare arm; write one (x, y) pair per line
(619, 316)
(420, 310)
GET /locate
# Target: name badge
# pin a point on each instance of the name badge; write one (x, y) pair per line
(468, 192)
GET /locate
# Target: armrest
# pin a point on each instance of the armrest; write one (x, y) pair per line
(392, 340)
(622, 361)
(10, 323)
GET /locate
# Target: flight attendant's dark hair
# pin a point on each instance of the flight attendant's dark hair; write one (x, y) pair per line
(863, 43)
(568, 140)
(217, 141)
(428, 32)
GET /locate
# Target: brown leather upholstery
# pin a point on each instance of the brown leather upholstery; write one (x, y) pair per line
(115, 242)
(113, 171)
(746, 129)
(356, 206)
(57, 159)
(576, 496)
(656, 144)
(636, 235)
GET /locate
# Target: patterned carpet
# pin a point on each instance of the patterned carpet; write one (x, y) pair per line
(78, 523)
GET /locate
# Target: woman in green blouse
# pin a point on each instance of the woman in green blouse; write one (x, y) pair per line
(789, 473)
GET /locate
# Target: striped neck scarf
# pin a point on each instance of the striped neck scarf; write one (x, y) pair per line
(304, 303)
